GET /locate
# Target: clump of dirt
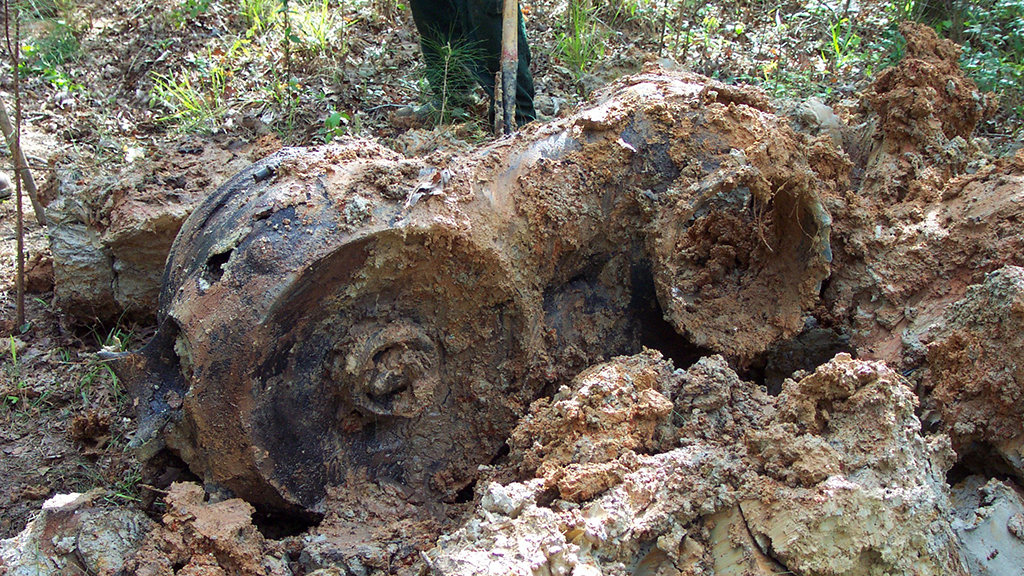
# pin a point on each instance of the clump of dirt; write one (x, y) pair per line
(930, 213)
(584, 439)
(926, 98)
(808, 482)
(376, 526)
(974, 366)
(862, 484)
(197, 537)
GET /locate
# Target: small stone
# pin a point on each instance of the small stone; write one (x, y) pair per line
(1016, 525)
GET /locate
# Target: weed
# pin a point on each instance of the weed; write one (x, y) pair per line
(189, 10)
(260, 15)
(583, 42)
(125, 488)
(57, 46)
(844, 42)
(316, 27)
(20, 396)
(100, 382)
(63, 355)
(195, 101)
(335, 125)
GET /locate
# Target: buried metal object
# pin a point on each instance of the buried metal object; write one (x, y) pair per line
(346, 310)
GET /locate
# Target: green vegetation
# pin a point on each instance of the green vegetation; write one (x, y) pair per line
(195, 100)
(817, 48)
(311, 70)
(582, 44)
(56, 46)
(449, 82)
(282, 40)
(992, 35)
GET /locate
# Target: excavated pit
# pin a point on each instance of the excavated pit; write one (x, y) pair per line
(441, 367)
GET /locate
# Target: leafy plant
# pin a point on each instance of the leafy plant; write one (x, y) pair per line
(190, 10)
(55, 45)
(336, 124)
(993, 47)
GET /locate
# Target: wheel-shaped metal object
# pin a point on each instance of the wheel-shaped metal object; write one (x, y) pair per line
(315, 336)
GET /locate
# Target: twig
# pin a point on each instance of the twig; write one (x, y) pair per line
(19, 160)
(378, 107)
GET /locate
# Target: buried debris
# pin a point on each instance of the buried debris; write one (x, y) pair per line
(460, 377)
(317, 321)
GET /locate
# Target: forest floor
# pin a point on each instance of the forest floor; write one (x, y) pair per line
(65, 421)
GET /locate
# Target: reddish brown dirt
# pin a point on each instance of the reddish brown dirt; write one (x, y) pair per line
(974, 366)
(197, 538)
(928, 214)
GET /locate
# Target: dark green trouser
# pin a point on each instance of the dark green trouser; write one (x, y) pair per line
(476, 25)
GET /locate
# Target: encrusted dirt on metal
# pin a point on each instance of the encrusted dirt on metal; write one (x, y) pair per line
(345, 308)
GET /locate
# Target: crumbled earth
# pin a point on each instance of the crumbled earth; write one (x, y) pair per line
(780, 247)
(205, 538)
(926, 215)
(109, 236)
(976, 372)
(831, 477)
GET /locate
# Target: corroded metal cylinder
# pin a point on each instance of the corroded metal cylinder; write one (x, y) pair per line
(346, 310)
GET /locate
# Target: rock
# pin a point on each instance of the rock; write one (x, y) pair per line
(5, 186)
(534, 543)
(72, 535)
(83, 271)
(988, 521)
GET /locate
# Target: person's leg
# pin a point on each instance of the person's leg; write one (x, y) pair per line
(483, 26)
(440, 27)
